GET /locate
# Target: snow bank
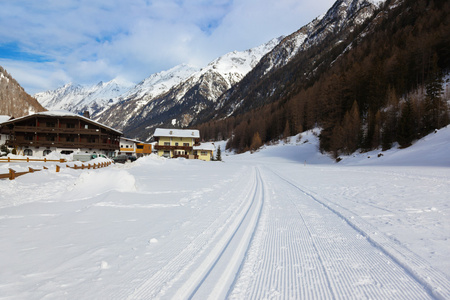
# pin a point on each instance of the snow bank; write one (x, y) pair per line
(93, 183)
(432, 150)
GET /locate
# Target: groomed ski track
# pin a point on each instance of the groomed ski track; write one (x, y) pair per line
(277, 240)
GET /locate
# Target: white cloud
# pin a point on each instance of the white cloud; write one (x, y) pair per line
(86, 41)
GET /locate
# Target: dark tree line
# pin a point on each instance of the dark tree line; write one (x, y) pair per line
(387, 88)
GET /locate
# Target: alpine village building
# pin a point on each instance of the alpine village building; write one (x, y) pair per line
(41, 133)
(64, 132)
(174, 143)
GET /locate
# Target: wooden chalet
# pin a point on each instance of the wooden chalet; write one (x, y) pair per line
(41, 133)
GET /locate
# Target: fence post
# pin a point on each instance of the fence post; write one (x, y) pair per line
(12, 174)
(9, 159)
(31, 170)
(57, 168)
(28, 159)
(61, 160)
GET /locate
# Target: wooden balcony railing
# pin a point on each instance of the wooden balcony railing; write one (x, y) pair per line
(56, 130)
(162, 147)
(62, 144)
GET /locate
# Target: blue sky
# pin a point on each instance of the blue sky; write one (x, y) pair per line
(48, 43)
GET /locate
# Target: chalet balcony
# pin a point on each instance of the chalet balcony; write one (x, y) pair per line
(104, 146)
(56, 130)
(184, 156)
(162, 147)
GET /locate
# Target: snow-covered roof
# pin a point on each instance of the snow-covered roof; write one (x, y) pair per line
(64, 113)
(130, 140)
(192, 133)
(207, 147)
(4, 118)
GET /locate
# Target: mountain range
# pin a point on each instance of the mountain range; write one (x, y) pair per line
(186, 95)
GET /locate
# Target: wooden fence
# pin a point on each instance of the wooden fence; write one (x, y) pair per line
(9, 159)
(13, 174)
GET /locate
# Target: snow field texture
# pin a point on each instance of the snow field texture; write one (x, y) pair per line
(283, 223)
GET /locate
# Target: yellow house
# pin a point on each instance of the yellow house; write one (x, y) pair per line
(204, 152)
(173, 143)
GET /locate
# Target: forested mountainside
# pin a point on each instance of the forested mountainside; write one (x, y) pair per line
(303, 55)
(14, 101)
(381, 84)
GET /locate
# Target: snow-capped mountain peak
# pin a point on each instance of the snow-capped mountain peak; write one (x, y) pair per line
(160, 82)
(78, 98)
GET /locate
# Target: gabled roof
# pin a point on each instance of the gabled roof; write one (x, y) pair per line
(192, 133)
(205, 147)
(130, 140)
(4, 118)
(61, 114)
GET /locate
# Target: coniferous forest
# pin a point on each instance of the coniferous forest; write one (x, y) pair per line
(383, 84)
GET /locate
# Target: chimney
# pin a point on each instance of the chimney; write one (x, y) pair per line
(86, 114)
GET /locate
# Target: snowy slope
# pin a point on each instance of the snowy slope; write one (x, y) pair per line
(257, 226)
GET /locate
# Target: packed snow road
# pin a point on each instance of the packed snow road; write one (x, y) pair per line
(253, 227)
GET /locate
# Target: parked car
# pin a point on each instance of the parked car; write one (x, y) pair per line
(87, 156)
(83, 156)
(132, 158)
(121, 158)
(99, 155)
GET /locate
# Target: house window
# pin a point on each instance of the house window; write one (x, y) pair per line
(186, 144)
(166, 143)
(140, 146)
(166, 154)
(28, 152)
(204, 153)
(176, 144)
(70, 125)
(86, 126)
(47, 152)
(126, 146)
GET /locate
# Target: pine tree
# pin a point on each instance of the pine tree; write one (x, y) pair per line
(407, 125)
(351, 129)
(256, 142)
(219, 154)
(435, 109)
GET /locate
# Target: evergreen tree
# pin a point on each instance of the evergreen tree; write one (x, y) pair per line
(256, 142)
(219, 154)
(407, 125)
(435, 109)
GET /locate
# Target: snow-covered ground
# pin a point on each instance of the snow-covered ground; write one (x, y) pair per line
(285, 222)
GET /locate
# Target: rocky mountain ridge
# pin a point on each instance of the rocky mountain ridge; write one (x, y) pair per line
(267, 81)
(14, 101)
